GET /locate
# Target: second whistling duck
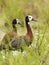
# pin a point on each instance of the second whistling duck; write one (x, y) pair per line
(8, 37)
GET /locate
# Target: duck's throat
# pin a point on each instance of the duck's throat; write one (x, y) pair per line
(14, 29)
(29, 31)
(14, 32)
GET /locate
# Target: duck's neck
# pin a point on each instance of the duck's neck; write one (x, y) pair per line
(29, 31)
(14, 29)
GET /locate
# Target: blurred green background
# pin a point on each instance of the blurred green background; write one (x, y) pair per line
(10, 9)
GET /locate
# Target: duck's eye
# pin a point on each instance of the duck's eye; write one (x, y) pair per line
(29, 17)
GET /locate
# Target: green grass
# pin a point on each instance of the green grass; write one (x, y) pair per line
(38, 54)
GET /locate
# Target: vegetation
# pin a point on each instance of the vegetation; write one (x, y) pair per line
(38, 52)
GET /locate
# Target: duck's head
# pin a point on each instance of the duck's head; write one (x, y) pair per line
(16, 21)
(29, 18)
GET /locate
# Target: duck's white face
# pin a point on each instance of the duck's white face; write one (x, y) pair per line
(30, 18)
(18, 22)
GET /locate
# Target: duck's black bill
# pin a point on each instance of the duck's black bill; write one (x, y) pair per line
(34, 20)
(20, 24)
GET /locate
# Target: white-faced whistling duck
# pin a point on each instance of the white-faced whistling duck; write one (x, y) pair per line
(8, 37)
(18, 42)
